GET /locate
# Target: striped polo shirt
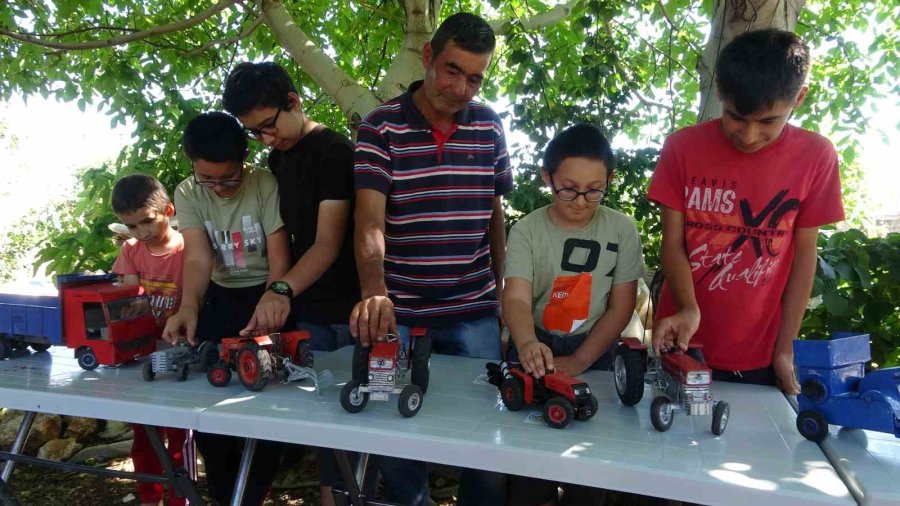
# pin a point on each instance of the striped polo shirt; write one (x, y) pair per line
(440, 189)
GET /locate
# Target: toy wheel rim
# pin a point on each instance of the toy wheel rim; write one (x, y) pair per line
(509, 394)
(665, 413)
(810, 425)
(620, 373)
(723, 420)
(355, 397)
(413, 402)
(249, 366)
(218, 375)
(557, 414)
(88, 359)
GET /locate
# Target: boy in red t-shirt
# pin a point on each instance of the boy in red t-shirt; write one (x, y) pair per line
(742, 198)
(153, 259)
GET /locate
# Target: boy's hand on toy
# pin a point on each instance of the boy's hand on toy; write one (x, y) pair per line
(536, 358)
(785, 377)
(676, 330)
(181, 325)
(373, 319)
(271, 312)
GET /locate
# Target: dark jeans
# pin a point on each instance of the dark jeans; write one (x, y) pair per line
(762, 376)
(562, 346)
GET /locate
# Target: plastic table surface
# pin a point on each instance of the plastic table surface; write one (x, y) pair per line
(870, 462)
(760, 459)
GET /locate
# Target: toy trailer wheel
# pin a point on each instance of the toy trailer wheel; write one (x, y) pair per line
(558, 413)
(360, 367)
(149, 374)
(421, 360)
(410, 400)
(812, 425)
(629, 375)
(513, 392)
(720, 417)
(254, 367)
(39, 347)
(661, 414)
(87, 360)
(352, 399)
(207, 354)
(218, 374)
(183, 370)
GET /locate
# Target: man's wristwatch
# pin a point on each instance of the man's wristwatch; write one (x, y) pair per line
(282, 288)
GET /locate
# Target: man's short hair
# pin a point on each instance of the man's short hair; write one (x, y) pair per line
(468, 31)
(579, 141)
(215, 137)
(254, 85)
(758, 68)
(137, 191)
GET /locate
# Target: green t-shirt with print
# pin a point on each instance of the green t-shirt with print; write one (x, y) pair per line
(572, 271)
(237, 226)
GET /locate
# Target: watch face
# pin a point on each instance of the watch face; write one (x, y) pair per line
(281, 288)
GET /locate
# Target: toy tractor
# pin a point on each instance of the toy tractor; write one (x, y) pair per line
(681, 380)
(564, 398)
(179, 359)
(377, 368)
(257, 359)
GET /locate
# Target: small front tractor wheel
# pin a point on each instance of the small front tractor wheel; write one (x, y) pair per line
(629, 375)
(410, 400)
(558, 412)
(720, 417)
(182, 372)
(87, 360)
(513, 391)
(219, 374)
(4, 348)
(421, 362)
(254, 367)
(812, 425)
(352, 399)
(661, 413)
(39, 347)
(149, 373)
(593, 406)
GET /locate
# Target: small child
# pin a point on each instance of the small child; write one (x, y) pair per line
(571, 280)
(153, 259)
(742, 198)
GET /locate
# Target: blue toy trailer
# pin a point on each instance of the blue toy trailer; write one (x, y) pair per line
(834, 388)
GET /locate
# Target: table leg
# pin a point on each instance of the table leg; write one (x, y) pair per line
(19, 444)
(178, 479)
(356, 488)
(243, 472)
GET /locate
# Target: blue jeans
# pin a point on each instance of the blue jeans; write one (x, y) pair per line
(562, 346)
(475, 339)
(324, 337)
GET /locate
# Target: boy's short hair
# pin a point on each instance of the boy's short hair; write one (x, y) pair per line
(760, 67)
(579, 141)
(215, 137)
(137, 191)
(251, 85)
(468, 31)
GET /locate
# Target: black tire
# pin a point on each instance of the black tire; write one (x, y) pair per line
(360, 371)
(87, 360)
(593, 406)
(149, 375)
(421, 362)
(812, 425)
(207, 355)
(306, 357)
(39, 347)
(7, 496)
(182, 372)
(254, 367)
(720, 416)
(628, 371)
(4, 348)
(814, 390)
(661, 414)
(410, 402)
(696, 354)
(219, 374)
(513, 392)
(352, 399)
(558, 412)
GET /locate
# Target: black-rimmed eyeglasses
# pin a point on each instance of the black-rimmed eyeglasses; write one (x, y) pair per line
(569, 194)
(225, 183)
(268, 128)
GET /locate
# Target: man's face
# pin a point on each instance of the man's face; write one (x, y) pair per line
(453, 77)
(274, 127)
(751, 132)
(148, 224)
(224, 178)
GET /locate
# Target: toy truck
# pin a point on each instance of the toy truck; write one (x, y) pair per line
(179, 359)
(835, 389)
(105, 323)
(377, 369)
(564, 398)
(257, 359)
(681, 381)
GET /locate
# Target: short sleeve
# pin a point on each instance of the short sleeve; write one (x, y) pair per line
(823, 204)
(186, 209)
(269, 202)
(372, 164)
(503, 180)
(124, 263)
(667, 185)
(336, 176)
(519, 253)
(630, 260)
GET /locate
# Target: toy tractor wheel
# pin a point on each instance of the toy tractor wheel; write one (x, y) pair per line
(219, 374)
(812, 425)
(149, 374)
(207, 355)
(183, 371)
(87, 360)
(814, 390)
(661, 413)
(629, 375)
(39, 347)
(558, 412)
(4, 348)
(720, 417)
(360, 371)
(352, 399)
(410, 400)
(305, 355)
(421, 362)
(593, 406)
(513, 391)
(254, 367)
(696, 354)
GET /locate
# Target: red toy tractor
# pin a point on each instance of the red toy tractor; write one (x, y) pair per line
(377, 368)
(257, 359)
(564, 398)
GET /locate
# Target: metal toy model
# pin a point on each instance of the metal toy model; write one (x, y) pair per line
(178, 359)
(835, 389)
(105, 323)
(377, 369)
(564, 398)
(680, 380)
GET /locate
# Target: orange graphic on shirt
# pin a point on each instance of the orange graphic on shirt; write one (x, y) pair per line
(570, 302)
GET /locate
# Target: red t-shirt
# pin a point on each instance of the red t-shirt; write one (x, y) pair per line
(160, 275)
(740, 213)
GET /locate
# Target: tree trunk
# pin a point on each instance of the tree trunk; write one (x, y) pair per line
(421, 19)
(731, 18)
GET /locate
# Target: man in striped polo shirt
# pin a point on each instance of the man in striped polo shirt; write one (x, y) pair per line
(430, 169)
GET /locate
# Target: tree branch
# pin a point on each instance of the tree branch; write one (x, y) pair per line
(124, 39)
(79, 30)
(673, 28)
(231, 40)
(378, 11)
(538, 21)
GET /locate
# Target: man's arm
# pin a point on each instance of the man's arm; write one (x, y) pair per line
(497, 237)
(793, 305)
(681, 326)
(198, 264)
(516, 307)
(373, 316)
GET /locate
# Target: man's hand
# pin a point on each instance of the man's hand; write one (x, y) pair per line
(571, 365)
(536, 358)
(182, 324)
(785, 378)
(676, 330)
(372, 319)
(271, 312)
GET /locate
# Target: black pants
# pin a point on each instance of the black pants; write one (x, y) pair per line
(763, 376)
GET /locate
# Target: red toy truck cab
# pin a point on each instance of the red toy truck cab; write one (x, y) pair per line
(564, 398)
(256, 359)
